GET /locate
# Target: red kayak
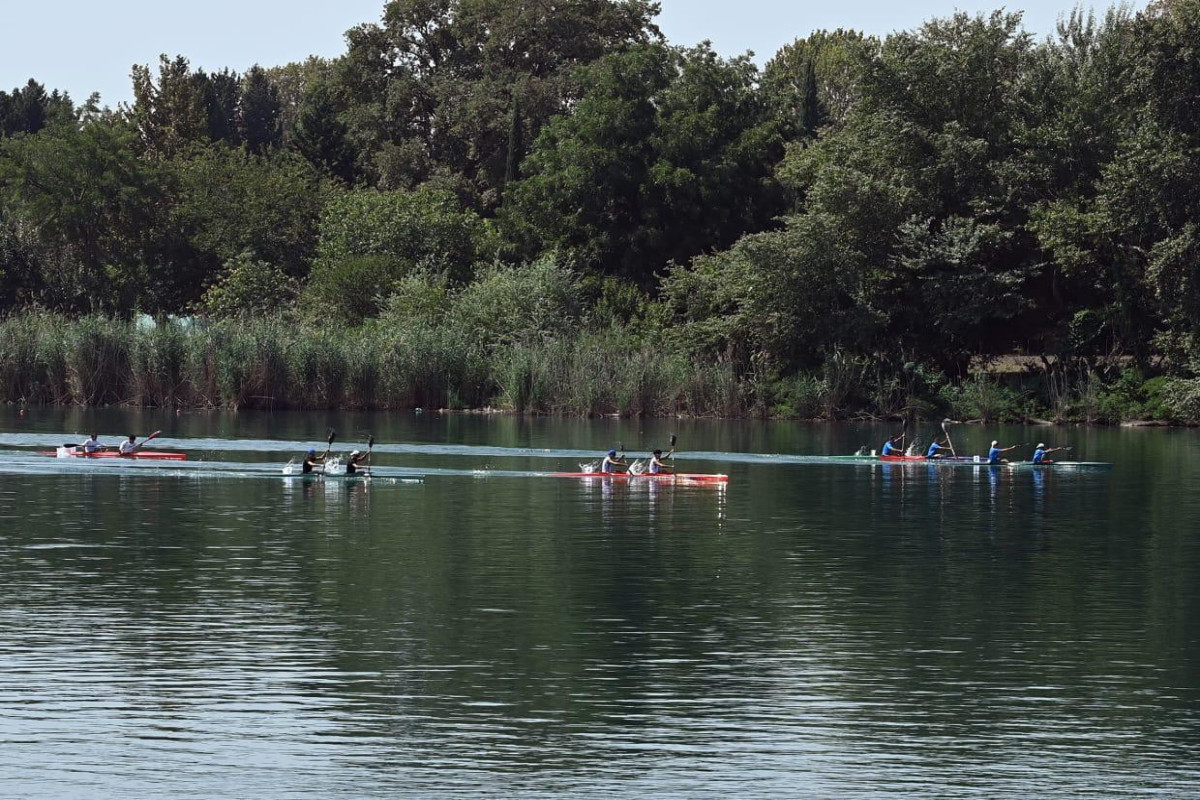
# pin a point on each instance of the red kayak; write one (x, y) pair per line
(902, 458)
(137, 455)
(680, 477)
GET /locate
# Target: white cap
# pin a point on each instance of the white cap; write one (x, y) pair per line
(353, 453)
(995, 443)
(1040, 446)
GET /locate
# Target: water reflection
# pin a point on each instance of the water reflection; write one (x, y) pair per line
(818, 631)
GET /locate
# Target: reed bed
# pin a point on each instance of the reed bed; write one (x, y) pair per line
(271, 363)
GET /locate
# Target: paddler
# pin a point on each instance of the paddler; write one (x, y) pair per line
(610, 463)
(129, 446)
(92, 445)
(893, 446)
(995, 451)
(935, 449)
(657, 467)
(311, 462)
(1040, 453)
(355, 460)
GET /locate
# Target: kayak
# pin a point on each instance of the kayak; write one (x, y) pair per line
(678, 477)
(356, 477)
(1059, 465)
(137, 455)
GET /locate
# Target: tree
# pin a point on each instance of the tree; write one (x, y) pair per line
(426, 228)
(93, 208)
(233, 202)
(222, 95)
(668, 154)
(816, 80)
(258, 116)
(320, 135)
(29, 109)
(171, 116)
(430, 89)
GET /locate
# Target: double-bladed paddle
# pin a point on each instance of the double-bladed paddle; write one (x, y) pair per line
(946, 422)
(154, 435)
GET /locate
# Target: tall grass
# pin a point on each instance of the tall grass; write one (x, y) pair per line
(397, 363)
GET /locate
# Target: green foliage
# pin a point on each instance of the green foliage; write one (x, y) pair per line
(668, 154)
(351, 289)
(233, 202)
(987, 399)
(842, 232)
(1182, 399)
(425, 228)
(434, 87)
(247, 287)
(259, 123)
(506, 305)
(28, 109)
(96, 209)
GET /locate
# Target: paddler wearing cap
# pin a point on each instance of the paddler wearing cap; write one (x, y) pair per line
(657, 467)
(994, 453)
(610, 464)
(312, 461)
(1039, 454)
(352, 464)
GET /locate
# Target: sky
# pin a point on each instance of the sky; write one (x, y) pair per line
(85, 46)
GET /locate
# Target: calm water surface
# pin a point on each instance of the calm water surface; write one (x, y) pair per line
(817, 628)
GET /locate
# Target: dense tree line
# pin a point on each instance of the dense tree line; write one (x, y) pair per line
(858, 224)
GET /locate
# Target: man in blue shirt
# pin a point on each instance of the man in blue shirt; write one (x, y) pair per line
(995, 452)
(1039, 455)
(934, 448)
(892, 446)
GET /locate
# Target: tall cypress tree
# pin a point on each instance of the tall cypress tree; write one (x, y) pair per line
(810, 104)
(516, 143)
(260, 112)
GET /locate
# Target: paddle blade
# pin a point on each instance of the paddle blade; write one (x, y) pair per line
(332, 434)
(673, 439)
(370, 442)
(154, 435)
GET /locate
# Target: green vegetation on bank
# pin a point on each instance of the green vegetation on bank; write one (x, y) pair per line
(551, 209)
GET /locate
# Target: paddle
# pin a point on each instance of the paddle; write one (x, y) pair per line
(946, 422)
(370, 444)
(154, 435)
(328, 447)
(671, 454)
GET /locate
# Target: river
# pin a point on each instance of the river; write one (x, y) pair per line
(814, 628)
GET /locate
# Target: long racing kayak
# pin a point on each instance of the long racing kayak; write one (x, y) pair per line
(137, 455)
(679, 477)
(292, 472)
(1059, 465)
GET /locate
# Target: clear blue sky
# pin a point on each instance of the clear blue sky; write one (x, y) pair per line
(83, 46)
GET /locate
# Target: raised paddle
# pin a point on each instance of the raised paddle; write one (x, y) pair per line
(946, 422)
(370, 444)
(328, 447)
(154, 435)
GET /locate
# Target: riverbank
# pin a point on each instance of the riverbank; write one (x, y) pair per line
(272, 363)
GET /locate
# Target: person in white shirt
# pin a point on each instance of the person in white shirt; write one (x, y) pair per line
(92, 445)
(127, 448)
